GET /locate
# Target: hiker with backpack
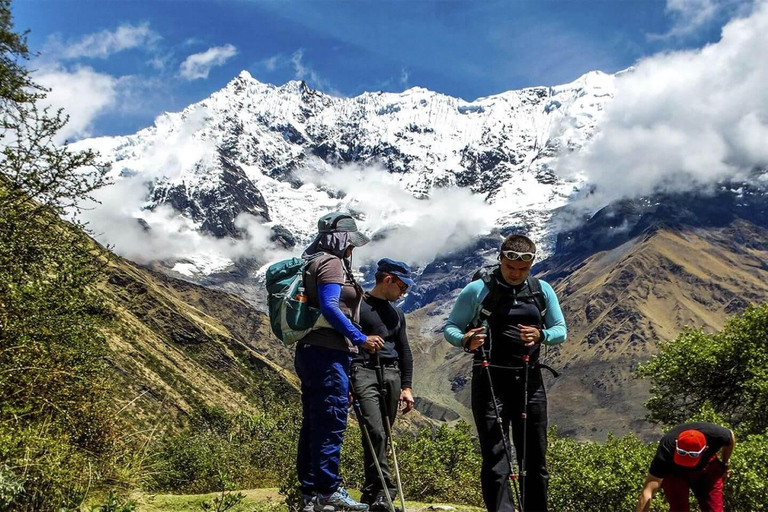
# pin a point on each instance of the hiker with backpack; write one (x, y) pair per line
(503, 317)
(382, 380)
(686, 460)
(323, 357)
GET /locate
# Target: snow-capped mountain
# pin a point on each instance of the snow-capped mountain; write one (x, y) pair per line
(258, 164)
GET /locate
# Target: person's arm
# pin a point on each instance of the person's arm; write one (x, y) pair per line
(463, 313)
(727, 451)
(650, 487)
(328, 294)
(556, 332)
(403, 349)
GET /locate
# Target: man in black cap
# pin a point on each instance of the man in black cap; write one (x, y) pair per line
(381, 381)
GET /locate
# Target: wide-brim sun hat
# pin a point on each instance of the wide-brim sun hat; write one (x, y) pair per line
(338, 222)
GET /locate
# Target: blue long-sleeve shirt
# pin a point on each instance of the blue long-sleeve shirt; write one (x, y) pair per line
(470, 300)
(328, 295)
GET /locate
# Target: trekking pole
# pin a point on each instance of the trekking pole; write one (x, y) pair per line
(367, 436)
(388, 427)
(523, 468)
(515, 492)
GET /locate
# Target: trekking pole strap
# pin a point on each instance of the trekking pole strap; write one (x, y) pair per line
(551, 370)
(543, 366)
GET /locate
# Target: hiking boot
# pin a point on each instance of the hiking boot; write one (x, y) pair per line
(339, 500)
(381, 505)
(308, 502)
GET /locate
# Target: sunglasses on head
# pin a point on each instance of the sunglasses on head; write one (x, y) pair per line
(686, 453)
(519, 256)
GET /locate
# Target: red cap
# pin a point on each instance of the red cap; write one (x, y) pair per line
(690, 441)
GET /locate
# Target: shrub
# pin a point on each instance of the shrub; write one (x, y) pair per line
(747, 488)
(590, 476)
(254, 449)
(727, 371)
(441, 465)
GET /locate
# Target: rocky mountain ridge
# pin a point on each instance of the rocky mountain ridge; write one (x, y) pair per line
(263, 151)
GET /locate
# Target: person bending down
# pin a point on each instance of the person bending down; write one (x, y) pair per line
(686, 459)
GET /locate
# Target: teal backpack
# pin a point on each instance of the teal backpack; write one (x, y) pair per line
(290, 315)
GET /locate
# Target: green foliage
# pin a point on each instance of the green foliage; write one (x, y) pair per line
(591, 476)
(435, 465)
(47, 472)
(290, 489)
(351, 467)
(726, 372)
(15, 84)
(441, 465)
(227, 499)
(256, 449)
(747, 488)
(10, 487)
(57, 431)
(115, 503)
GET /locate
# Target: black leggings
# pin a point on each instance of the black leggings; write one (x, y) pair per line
(508, 386)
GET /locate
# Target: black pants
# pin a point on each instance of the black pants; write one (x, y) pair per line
(494, 476)
(365, 387)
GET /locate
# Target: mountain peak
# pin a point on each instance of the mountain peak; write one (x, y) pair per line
(296, 87)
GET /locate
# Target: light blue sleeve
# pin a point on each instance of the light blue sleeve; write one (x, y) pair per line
(556, 332)
(464, 311)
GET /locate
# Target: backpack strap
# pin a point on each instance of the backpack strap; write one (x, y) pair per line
(495, 294)
(493, 298)
(535, 290)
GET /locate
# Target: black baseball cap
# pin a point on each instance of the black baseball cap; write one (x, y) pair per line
(338, 222)
(396, 268)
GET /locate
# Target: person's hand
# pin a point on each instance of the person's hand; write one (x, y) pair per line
(406, 396)
(529, 334)
(350, 399)
(473, 339)
(373, 343)
(726, 470)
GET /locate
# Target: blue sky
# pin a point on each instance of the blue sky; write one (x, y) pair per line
(116, 64)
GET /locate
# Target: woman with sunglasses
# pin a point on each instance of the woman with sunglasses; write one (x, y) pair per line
(686, 460)
(509, 314)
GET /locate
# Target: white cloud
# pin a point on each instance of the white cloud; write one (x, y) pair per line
(102, 44)
(404, 76)
(272, 63)
(301, 71)
(121, 220)
(685, 119)
(688, 16)
(159, 62)
(198, 65)
(306, 73)
(418, 230)
(83, 93)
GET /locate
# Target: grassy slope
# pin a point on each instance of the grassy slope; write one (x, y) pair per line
(176, 345)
